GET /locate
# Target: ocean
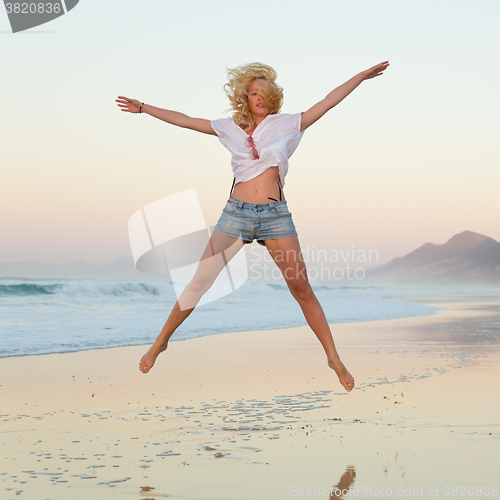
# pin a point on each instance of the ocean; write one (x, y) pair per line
(41, 316)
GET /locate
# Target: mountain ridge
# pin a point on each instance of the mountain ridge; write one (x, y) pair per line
(467, 258)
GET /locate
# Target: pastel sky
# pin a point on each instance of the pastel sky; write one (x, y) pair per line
(409, 157)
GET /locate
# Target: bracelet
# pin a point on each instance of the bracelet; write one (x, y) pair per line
(140, 109)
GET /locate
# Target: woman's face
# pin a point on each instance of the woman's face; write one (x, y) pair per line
(255, 100)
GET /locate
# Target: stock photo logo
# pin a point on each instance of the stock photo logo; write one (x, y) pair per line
(26, 15)
(170, 235)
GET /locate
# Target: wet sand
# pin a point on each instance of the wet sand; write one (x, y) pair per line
(259, 415)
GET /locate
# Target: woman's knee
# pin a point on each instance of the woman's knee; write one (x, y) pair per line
(200, 284)
(192, 294)
(301, 290)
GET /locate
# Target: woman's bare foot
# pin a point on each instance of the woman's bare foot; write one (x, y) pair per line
(345, 378)
(148, 360)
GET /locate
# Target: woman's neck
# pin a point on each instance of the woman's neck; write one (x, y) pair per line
(257, 121)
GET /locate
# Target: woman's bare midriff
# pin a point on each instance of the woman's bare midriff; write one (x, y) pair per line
(260, 188)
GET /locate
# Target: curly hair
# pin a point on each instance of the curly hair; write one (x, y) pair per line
(239, 80)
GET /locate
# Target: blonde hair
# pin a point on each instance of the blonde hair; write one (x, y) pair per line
(239, 80)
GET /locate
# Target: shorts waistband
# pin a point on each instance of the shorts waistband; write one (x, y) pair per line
(244, 204)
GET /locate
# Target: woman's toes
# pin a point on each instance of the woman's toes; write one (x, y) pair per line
(143, 366)
(348, 382)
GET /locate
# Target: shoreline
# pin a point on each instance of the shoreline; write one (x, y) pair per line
(254, 414)
(39, 325)
(173, 339)
(205, 335)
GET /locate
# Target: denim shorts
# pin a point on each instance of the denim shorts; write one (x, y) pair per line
(261, 221)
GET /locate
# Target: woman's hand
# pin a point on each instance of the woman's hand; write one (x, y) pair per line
(128, 105)
(375, 70)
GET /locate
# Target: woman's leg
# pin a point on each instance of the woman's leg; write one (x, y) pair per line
(218, 252)
(287, 256)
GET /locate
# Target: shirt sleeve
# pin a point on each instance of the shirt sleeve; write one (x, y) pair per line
(294, 135)
(220, 126)
(287, 124)
(294, 123)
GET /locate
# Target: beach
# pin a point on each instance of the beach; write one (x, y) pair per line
(259, 415)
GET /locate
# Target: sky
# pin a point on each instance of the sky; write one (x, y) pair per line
(408, 157)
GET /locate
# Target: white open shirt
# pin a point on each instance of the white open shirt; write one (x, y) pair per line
(275, 138)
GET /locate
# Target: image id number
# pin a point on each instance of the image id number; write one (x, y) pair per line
(471, 491)
(33, 8)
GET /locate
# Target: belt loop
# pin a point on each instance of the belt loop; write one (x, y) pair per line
(240, 204)
(271, 204)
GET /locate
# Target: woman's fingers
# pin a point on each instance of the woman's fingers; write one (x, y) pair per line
(376, 70)
(126, 104)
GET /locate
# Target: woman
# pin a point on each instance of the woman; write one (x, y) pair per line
(260, 140)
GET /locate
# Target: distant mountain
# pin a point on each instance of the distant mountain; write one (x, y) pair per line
(119, 269)
(467, 258)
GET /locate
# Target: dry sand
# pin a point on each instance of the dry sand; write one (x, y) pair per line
(259, 415)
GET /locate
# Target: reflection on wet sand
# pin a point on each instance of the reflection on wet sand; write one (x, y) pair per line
(341, 489)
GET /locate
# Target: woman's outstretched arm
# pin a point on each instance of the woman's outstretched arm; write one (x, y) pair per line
(335, 96)
(173, 117)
